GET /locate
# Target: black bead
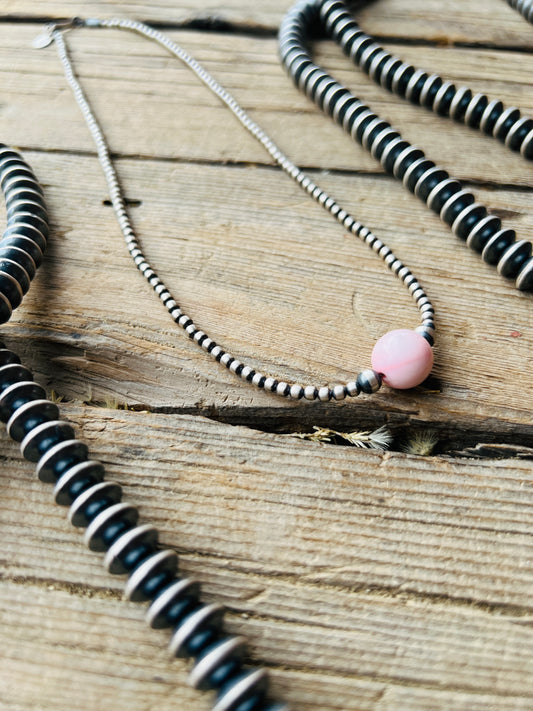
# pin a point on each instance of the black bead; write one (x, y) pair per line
(495, 113)
(26, 245)
(454, 210)
(432, 92)
(11, 289)
(404, 80)
(11, 374)
(407, 161)
(22, 229)
(460, 109)
(7, 357)
(199, 642)
(384, 142)
(64, 457)
(506, 126)
(15, 254)
(469, 221)
(474, 118)
(427, 185)
(524, 280)
(482, 236)
(443, 107)
(8, 266)
(417, 173)
(36, 443)
(29, 416)
(497, 245)
(414, 95)
(515, 143)
(444, 195)
(388, 164)
(30, 218)
(76, 480)
(514, 258)
(23, 392)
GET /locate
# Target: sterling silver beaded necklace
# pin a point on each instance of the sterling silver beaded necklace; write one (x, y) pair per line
(95, 504)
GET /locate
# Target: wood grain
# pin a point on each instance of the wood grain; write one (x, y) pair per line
(365, 581)
(414, 593)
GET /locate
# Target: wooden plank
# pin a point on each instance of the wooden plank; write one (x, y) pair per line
(283, 316)
(425, 595)
(131, 81)
(472, 21)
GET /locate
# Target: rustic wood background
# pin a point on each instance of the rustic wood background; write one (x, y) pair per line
(364, 581)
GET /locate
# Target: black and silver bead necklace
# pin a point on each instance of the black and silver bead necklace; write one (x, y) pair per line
(445, 195)
(370, 379)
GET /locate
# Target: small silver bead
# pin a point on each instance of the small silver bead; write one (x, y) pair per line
(369, 381)
(324, 394)
(339, 392)
(269, 383)
(352, 388)
(310, 392)
(297, 392)
(280, 390)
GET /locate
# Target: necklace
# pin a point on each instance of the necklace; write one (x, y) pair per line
(445, 195)
(401, 358)
(112, 526)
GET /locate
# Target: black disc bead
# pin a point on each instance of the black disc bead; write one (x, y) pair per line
(442, 193)
(466, 221)
(23, 207)
(131, 549)
(19, 256)
(218, 663)
(173, 603)
(30, 218)
(430, 91)
(90, 502)
(505, 123)
(30, 416)
(249, 689)
(43, 437)
(492, 113)
(5, 309)
(26, 245)
(427, 182)
(7, 357)
(11, 374)
(11, 289)
(513, 259)
(405, 159)
(518, 133)
(497, 245)
(206, 619)
(414, 173)
(17, 395)
(59, 459)
(8, 266)
(475, 109)
(524, 280)
(22, 195)
(109, 524)
(482, 231)
(77, 479)
(455, 206)
(23, 229)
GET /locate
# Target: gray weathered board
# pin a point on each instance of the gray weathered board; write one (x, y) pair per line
(363, 580)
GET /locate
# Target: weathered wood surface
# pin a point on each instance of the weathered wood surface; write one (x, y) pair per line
(363, 580)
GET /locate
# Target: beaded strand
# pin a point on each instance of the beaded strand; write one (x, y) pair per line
(457, 207)
(369, 380)
(111, 525)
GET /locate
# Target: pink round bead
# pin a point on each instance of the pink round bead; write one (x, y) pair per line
(403, 357)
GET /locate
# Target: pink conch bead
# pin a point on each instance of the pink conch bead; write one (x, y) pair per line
(403, 357)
